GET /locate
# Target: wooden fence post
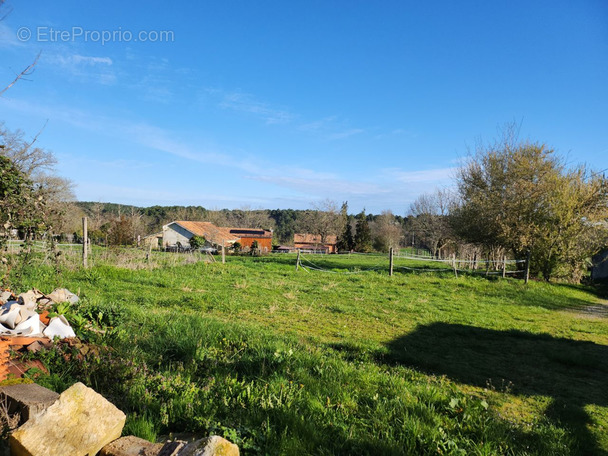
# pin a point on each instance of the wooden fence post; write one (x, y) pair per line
(149, 252)
(298, 261)
(85, 242)
(528, 266)
(454, 265)
(223, 251)
(390, 262)
(504, 266)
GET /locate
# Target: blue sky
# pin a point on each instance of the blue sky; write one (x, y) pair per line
(284, 104)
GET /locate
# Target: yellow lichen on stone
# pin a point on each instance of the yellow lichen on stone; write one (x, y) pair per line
(80, 423)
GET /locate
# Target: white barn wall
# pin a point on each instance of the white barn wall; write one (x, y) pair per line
(173, 233)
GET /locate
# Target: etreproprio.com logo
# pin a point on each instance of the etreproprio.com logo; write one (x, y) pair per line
(53, 35)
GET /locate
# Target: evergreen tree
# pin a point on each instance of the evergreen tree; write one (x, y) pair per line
(363, 236)
(346, 241)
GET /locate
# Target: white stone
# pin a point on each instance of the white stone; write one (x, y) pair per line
(11, 312)
(59, 327)
(63, 295)
(31, 326)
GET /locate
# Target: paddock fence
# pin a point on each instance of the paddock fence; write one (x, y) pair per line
(357, 263)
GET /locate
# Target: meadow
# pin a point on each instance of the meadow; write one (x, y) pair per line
(342, 361)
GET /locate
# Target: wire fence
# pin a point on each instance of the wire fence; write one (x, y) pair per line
(70, 256)
(357, 263)
(348, 263)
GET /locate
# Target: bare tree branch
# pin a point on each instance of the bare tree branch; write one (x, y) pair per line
(29, 70)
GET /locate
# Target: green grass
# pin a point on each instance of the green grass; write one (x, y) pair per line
(342, 362)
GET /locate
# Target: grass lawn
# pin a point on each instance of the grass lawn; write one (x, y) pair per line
(340, 362)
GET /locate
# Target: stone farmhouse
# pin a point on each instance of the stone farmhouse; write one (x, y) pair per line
(181, 231)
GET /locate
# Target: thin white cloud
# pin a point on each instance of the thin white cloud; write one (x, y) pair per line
(397, 132)
(8, 37)
(98, 191)
(84, 68)
(437, 175)
(152, 78)
(77, 60)
(345, 134)
(394, 185)
(321, 186)
(119, 164)
(243, 102)
(137, 132)
(318, 125)
(163, 140)
(330, 128)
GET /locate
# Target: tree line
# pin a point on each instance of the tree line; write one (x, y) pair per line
(510, 198)
(115, 224)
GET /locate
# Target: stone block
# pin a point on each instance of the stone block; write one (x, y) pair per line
(131, 446)
(27, 399)
(210, 446)
(172, 448)
(80, 423)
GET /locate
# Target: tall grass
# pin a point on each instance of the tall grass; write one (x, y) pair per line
(286, 362)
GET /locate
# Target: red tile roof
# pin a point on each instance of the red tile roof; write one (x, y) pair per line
(216, 234)
(305, 238)
(209, 231)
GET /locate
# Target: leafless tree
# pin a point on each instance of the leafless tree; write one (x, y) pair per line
(38, 165)
(430, 219)
(96, 217)
(387, 231)
(323, 220)
(246, 217)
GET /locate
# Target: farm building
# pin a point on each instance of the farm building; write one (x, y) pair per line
(284, 249)
(181, 232)
(599, 270)
(315, 243)
(155, 240)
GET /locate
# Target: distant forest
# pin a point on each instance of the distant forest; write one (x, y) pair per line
(284, 222)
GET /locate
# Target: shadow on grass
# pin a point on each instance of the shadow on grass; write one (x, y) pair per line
(573, 373)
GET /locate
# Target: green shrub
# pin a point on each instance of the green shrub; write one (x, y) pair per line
(196, 242)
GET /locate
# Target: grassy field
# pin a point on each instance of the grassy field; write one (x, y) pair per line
(342, 361)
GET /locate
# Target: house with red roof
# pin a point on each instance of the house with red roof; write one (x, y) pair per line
(179, 233)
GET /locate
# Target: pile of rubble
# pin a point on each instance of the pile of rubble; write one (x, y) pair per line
(80, 422)
(26, 314)
(26, 325)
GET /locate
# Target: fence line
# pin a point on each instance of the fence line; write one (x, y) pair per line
(308, 265)
(450, 260)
